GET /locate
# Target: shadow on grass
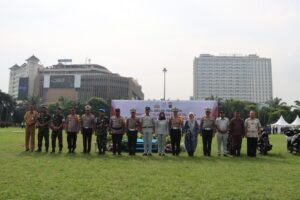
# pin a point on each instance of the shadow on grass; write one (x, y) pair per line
(270, 158)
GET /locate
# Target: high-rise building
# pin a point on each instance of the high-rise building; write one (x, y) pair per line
(23, 80)
(71, 81)
(233, 76)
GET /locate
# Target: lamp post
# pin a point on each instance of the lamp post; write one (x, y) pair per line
(165, 71)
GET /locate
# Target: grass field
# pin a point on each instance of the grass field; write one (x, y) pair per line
(25, 175)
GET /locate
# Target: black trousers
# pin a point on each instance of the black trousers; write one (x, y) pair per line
(43, 133)
(87, 139)
(175, 135)
(206, 141)
(117, 143)
(132, 136)
(251, 146)
(236, 144)
(72, 138)
(57, 134)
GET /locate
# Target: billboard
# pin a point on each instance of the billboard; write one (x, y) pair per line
(185, 107)
(23, 88)
(62, 81)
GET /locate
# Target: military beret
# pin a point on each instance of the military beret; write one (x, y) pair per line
(101, 110)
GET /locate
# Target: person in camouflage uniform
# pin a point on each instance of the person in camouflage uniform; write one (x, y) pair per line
(101, 124)
(43, 123)
(57, 127)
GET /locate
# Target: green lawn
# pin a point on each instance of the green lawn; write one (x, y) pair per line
(31, 176)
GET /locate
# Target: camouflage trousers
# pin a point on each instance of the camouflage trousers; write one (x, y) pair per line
(101, 142)
(57, 134)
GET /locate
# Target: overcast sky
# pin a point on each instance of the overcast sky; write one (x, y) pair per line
(138, 38)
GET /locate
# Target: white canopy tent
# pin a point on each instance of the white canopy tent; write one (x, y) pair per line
(296, 122)
(280, 124)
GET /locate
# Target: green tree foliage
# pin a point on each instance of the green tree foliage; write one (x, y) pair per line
(96, 103)
(267, 113)
(7, 106)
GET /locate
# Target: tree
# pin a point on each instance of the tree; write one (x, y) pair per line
(7, 106)
(229, 106)
(96, 103)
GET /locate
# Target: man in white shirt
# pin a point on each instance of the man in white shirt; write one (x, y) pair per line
(148, 128)
(253, 131)
(222, 124)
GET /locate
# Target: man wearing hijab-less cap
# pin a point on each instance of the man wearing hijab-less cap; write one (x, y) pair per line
(175, 124)
(132, 127)
(148, 129)
(57, 127)
(101, 124)
(207, 126)
(87, 125)
(43, 124)
(117, 127)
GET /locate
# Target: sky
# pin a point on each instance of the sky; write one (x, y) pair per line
(138, 38)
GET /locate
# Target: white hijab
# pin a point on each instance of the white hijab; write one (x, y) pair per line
(191, 122)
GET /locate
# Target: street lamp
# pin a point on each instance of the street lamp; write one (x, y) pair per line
(165, 71)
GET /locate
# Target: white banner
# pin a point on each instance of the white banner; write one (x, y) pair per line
(197, 107)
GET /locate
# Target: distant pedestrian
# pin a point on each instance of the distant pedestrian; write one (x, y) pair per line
(222, 125)
(148, 129)
(87, 128)
(191, 130)
(175, 125)
(132, 127)
(57, 128)
(101, 125)
(207, 127)
(72, 129)
(30, 119)
(236, 132)
(117, 127)
(43, 124)
(253, 132)
(162, 129)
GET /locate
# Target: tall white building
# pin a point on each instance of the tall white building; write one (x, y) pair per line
(24, 79)
(235, 76)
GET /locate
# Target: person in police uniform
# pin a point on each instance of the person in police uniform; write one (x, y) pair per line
(175, 125)
(57, 127)
(132, 127)
(117, 127)
(207, 127)
(148, 129)
(101, 125)
(43, 123)
(72, 128)
(87, 127)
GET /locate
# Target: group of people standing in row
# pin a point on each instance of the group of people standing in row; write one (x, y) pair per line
(226, 130)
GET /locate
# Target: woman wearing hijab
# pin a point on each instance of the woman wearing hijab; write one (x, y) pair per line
(161, 127)
(190, 130)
